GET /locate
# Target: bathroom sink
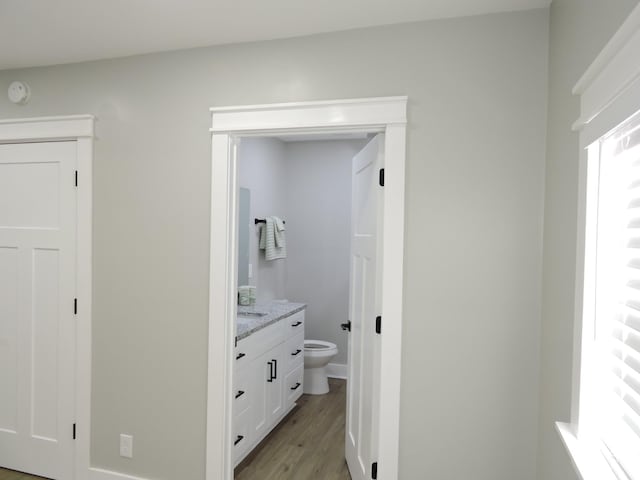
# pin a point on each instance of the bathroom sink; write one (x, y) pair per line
(252, 314)
(248, 320)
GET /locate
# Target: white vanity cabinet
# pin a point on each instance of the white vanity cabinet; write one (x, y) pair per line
(268, 376)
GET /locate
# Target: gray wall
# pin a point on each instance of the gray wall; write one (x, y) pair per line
(477, 90)
(263, 170)
(579, 30)
(309, 185)
(319, 235)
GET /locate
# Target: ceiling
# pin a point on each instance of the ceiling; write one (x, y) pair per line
(47, 32)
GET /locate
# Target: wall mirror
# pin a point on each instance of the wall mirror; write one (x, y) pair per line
(244, 214)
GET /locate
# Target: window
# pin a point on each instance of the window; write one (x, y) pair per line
(610, 389)
(603, 438)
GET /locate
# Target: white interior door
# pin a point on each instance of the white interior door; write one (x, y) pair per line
(37, 290)
(364, 352)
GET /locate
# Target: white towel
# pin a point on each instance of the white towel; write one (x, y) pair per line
(272, 239)
(279, 232)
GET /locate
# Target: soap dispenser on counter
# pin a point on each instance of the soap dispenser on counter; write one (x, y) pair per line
(246, 295)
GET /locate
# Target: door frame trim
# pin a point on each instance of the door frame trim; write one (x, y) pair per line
(80, 129)
(387, 115)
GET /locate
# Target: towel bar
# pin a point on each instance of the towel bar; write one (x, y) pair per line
(262, 220)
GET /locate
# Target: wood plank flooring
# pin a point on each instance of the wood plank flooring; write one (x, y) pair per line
(11, 475)
(307, 445)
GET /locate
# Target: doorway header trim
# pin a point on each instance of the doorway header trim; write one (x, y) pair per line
(356, 113)
(70, 127)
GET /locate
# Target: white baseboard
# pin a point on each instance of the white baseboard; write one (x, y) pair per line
(337, 370)
(101, 474)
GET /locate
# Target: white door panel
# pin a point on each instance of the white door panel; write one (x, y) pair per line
(37, 289)
(29, 193)
(9, 338)
(362, 391)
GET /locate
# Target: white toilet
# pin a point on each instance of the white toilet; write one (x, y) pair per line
(317, 354)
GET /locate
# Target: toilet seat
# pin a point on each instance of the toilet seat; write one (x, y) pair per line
(311, 346)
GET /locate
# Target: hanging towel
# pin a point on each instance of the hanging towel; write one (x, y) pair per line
(279, 232)
(272, 239)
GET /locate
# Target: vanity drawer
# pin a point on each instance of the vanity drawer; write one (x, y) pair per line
(252, 346)
(295, 324)
(241, 390)
(245, 351)
(293, 385)
(241, 435)
(243, 355)
(294, 351)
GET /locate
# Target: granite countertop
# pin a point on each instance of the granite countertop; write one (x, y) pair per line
(247, 322)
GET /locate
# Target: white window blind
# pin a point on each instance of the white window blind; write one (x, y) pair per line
(616, 362)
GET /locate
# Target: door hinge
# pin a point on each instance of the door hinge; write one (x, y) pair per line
(374, 470)
(75, 306)
(378, 324)
(381, 177)
(76, 178)
(74, 431)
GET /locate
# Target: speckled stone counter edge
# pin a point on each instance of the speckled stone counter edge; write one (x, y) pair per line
(275, 311)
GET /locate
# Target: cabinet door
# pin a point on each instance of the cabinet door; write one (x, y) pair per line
(268, 400)
(262, 372)
(275, 397)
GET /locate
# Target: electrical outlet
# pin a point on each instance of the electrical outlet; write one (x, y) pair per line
(126, 445)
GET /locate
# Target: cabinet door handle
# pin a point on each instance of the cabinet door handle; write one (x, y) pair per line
(240, 355)
(297, 385)
(296, 352)
(297, 324)
(240, 393)
(238, 439)
(275, 368)
(270, 379)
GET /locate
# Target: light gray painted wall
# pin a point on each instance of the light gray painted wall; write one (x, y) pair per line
(263, 170)
(475, 153)
(579, 30)
(319, 235)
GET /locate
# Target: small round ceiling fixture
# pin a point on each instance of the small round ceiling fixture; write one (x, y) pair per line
(19, 92)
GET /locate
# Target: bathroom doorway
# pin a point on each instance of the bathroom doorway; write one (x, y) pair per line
(375, 451)
(323, 192)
